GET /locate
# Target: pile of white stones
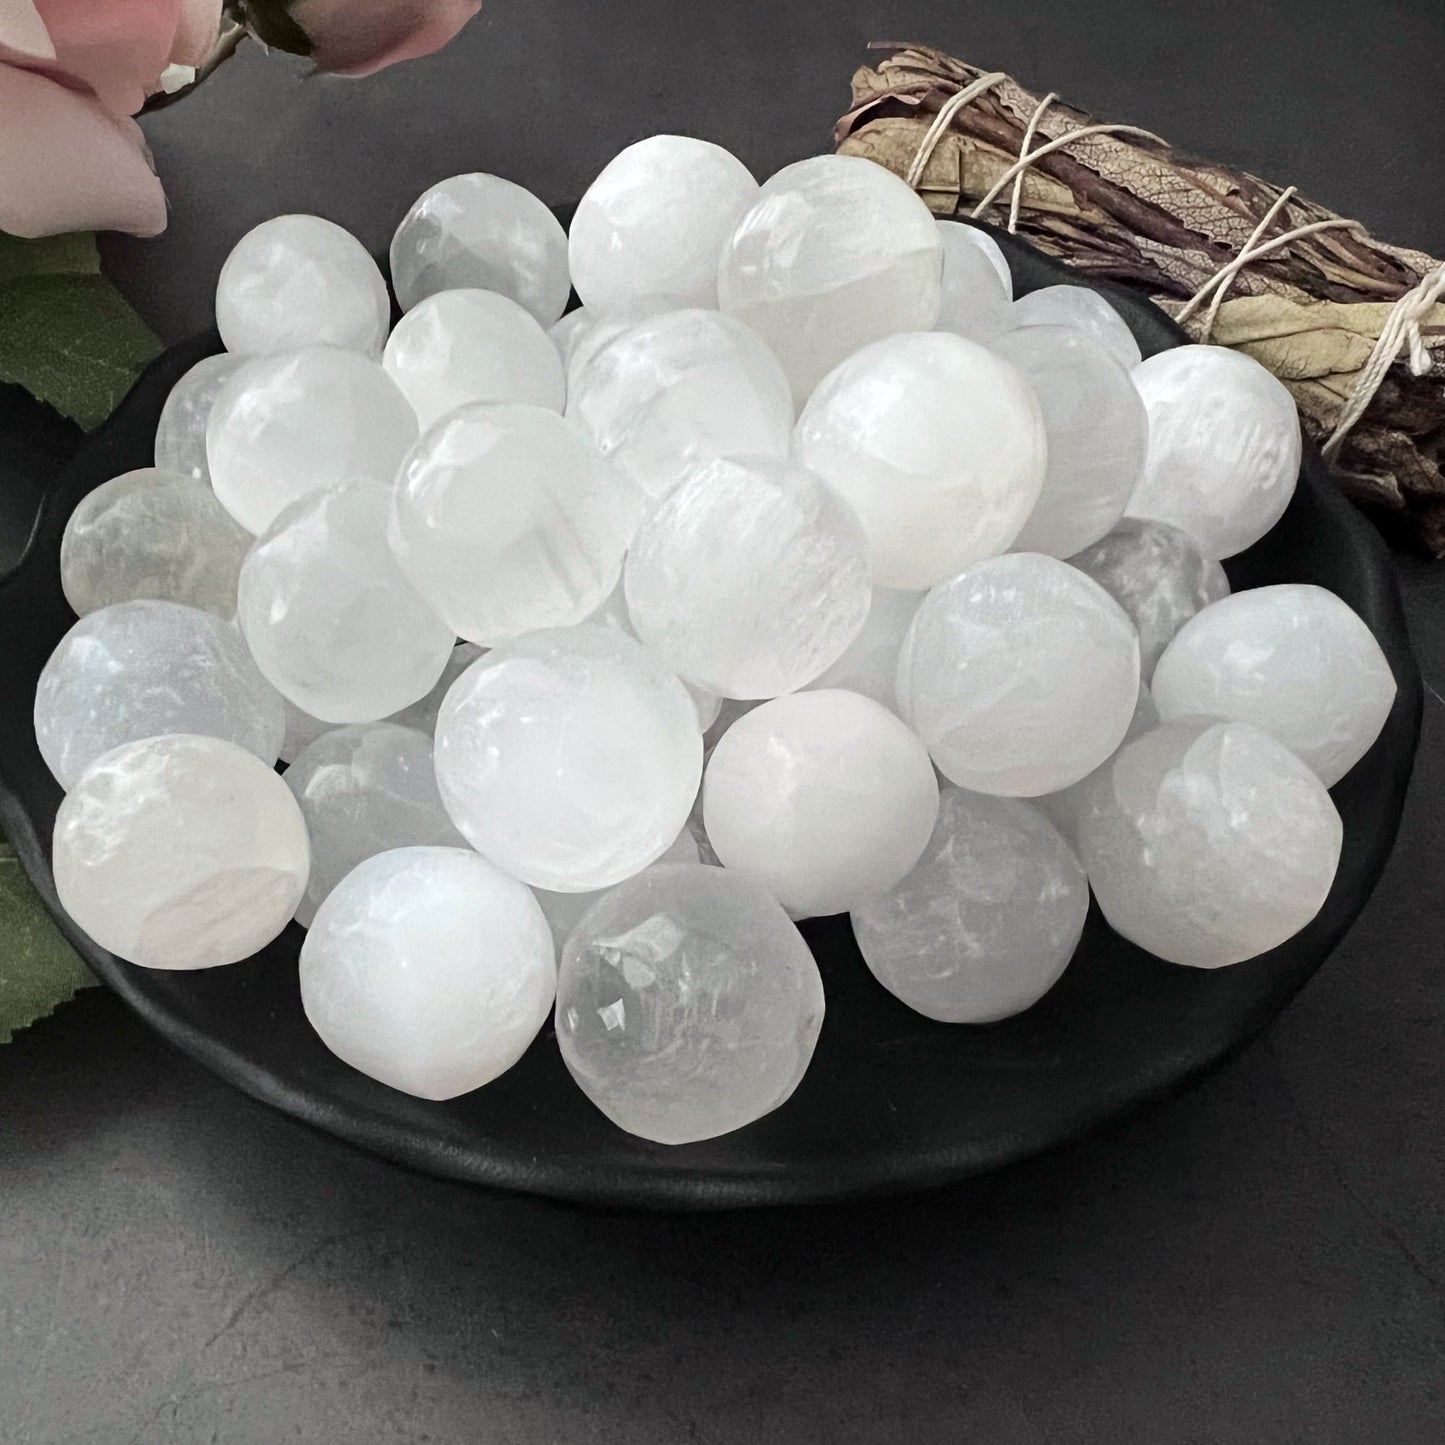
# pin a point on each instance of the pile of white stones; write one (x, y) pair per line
(642, 632)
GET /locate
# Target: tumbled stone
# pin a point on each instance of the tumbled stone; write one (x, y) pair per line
(181, 431)
(870, 664)
(423, 715)
(977, 287)
(1085, 310)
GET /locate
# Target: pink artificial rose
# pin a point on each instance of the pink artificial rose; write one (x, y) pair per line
(72, 73)
(358, 37)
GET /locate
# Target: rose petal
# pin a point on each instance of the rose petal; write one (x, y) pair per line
(358, 37)
(22, 32)
(200, 28)
(66, 164)
(116, 47)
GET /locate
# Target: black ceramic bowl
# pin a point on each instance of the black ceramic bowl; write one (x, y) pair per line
(892, 1101)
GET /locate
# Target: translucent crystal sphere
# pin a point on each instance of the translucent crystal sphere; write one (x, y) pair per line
(508, 520)
(1097, 435)
(180, 852)
(481, 231)
(299, 281)
(1295, 661)
(653, 225)
(836, 252)
(870, 664)
(423, 715)
(301, 731)
(329, 617)
(291, 424)
(984, 925)
(937, 444)
(429, 970)
(1157, 575)
(457, 347)
(152, 534)
(139, 669)
(977, 287)
(1020, 674)
(825, 798)
(363, 790)
(687, 1004)
(1082, 309)
(1209, 842)
(1224, 446)
(679, 389)
(181, 431)
(749, 578)
(570, 758)
(570, 330)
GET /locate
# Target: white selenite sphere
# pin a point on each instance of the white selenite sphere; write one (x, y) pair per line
(1208, 842)
(569, 331)
(291, 424)
(1083, 309)
(870, 665)
(687, 1004)
(1224, 446)
(329, 617)
(985, 924)
(457, 347)
(936, 443)
(680, 389)
(152, 534)
(301, 731)
(508, 520)
(570, 758)
(429, 970)
(139, 669)
(363, 790)
(1097, 435)
(1020, 674)
(825, 798)
(181, 431)
(749, 579)
(836, 252)
(180, 852)
(653, 225)
(1295, 661)
(564, 910)
(299, 281)
(977, 288)
(423, 715)
(1157, 575)
(481, 231)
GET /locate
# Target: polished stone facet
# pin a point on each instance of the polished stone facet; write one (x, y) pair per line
(1083, 310)
(181, 431)
(977, 287)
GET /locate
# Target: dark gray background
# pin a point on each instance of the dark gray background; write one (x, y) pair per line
(1261, 1261)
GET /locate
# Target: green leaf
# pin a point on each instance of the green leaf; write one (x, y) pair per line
(39, 970)
(70, 255)
(271, 22)
(72, 340)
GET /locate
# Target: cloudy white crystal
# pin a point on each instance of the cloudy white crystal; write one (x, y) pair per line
(181, 431)
(1083, 309)
(976, 287)
(429, 970)
(870, 664)
(180, 852)
(423, 715)
(687, 1004)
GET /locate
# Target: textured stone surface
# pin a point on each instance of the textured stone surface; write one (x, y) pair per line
(329, 617)
(1096, 432)
(977, 287)
(825, 798)
(1208, 842)
(749, 578)
(570, 758)
(139, 669)
(1295, 661)
(423, 715)
(1157, 575)
(181, 431)
(180, 852)
(1224, 446)
(363, 790)
(652, 226)
(1084, 310)
(938, 446)
(835, 253)
(508, 520)
(679, 389)
(155, 534)
(456, 347)
(870, 665)
(428, 969)
(480, 230)
(687, 1004)
(293, 423)
(984, 925)
(301, 281)
(1020, 674)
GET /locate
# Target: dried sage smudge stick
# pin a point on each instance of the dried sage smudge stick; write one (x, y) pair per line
(1130, 208)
